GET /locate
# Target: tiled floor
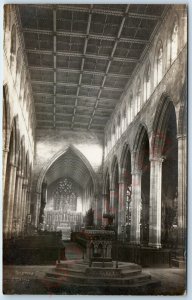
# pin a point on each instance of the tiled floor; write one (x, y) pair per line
(26, 279)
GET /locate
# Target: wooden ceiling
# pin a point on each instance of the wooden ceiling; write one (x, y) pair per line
(81, 58)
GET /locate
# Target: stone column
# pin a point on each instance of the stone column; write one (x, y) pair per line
(122, 206)
(19, 201)
(23, 200)
(36, 212)
(105, 208)
(28, 201)
(24, 210)
(112, 200)
(5, 155)
(15, 219)
(9, 200)
(182, 190)
(155, 202)
(136, 207)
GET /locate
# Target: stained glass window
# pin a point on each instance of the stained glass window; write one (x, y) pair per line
(64, 196)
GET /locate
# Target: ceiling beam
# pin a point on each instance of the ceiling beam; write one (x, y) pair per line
(103, 109)
(73, 96)
(65, 70)
(82, 64)
(97, 10)
(69, 115)
(80, 55)
(82, 35)
(109, 63)
(70, 84)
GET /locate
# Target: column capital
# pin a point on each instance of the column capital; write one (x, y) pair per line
(121, 181)
(181, 136)
(13, 165)
(137, 172)
(25, 184)
(159, 159)
(20, 174)
(6, 149)
(38, 193)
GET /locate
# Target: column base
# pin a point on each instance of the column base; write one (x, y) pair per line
(155, 245)
(135, 243)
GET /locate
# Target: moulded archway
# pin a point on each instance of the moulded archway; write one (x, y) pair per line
(59, 155)
(126, 177)
(70, 164)
(164, 146)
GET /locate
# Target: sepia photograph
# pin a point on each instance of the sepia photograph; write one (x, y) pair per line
(94, 167)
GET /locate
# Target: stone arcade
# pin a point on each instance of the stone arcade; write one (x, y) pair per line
(94, 140)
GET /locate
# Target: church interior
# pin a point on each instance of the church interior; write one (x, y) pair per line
(95, 149)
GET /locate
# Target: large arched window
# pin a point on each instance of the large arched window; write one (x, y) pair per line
(106, 145)
(109, 143)
(159, 63)
(118, 126)
(174, 41)
(130, 109)
(13, 45)
(124, 116)
(147, 83)
(22, 82)
(18, 65)
(138, 95)
(113, 135)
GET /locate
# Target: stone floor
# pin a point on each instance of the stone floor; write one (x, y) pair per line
(27, 279)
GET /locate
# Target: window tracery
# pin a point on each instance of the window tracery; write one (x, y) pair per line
(147, 88)
(65, 198)
(159, 63)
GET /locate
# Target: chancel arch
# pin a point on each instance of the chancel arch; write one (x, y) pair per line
(70, 168)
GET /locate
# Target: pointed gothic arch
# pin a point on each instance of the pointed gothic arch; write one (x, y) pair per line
(60, 154)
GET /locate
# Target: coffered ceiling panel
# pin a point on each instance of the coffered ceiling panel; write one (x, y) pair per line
(81, 58)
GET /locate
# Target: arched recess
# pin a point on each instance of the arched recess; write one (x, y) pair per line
(158, 65)
(147, 81)
(18, 65)
(13, 45)
(172, 41)
(114, 199)
(141, 182)
(126, 175)
(57, 156)
(165, 146)
(73, 165)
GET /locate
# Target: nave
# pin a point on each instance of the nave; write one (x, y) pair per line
(95, 144)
